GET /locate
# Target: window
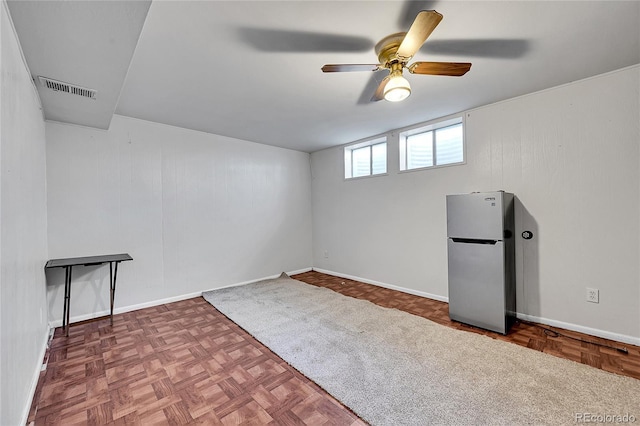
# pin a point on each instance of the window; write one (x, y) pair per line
(433, 145)
(366, 158)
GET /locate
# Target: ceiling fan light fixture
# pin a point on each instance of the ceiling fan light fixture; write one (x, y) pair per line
(397, 89)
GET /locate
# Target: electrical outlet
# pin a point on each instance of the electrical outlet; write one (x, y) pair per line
(593, 295)
(326, 254)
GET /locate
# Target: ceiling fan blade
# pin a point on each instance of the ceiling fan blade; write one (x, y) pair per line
(379, 94)
(349, 67)
(455, 69)
(421, 29)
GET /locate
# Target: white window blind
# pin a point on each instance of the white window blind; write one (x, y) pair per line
(365, 159)
(449, 148)
(437, 144)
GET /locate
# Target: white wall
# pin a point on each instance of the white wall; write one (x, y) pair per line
(571, 156)
(23, 231)
(196, 211)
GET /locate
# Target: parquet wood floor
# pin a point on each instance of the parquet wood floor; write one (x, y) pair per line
(179, 363)
(186, 363)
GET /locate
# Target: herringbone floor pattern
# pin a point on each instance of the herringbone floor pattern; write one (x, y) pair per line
(186, 363)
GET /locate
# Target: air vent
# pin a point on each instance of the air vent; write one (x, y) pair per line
(72, 89)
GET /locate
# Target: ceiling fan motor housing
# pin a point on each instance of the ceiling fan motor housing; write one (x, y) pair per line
(386, 50)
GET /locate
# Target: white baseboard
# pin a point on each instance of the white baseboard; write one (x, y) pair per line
(554, 323)
(123, 309)
(36, 377)
(270, 277)
(623, 338)
(385, 285)
(300, 271)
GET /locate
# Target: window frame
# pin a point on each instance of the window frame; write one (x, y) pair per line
(432, 126)
(370, 143)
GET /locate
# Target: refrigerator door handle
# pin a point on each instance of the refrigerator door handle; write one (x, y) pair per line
(473, 241)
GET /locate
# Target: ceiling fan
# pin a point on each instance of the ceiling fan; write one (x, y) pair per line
(395, 51)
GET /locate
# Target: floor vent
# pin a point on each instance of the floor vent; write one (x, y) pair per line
(72, 89)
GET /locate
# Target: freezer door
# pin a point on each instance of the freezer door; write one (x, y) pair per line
(475, 216)
(477, 285)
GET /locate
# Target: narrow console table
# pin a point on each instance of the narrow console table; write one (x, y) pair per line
(68, 265)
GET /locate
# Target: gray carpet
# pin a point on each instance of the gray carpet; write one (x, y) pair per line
(394, 368)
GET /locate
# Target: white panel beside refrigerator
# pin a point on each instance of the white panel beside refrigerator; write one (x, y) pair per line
(481, 257)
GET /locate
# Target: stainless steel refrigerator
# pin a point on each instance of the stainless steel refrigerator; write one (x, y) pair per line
(481, 253)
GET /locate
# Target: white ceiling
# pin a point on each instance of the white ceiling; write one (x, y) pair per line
(251, 69)
(89, 44)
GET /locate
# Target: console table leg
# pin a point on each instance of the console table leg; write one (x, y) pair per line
(67, 300)
(113, 275)
(64, 300)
